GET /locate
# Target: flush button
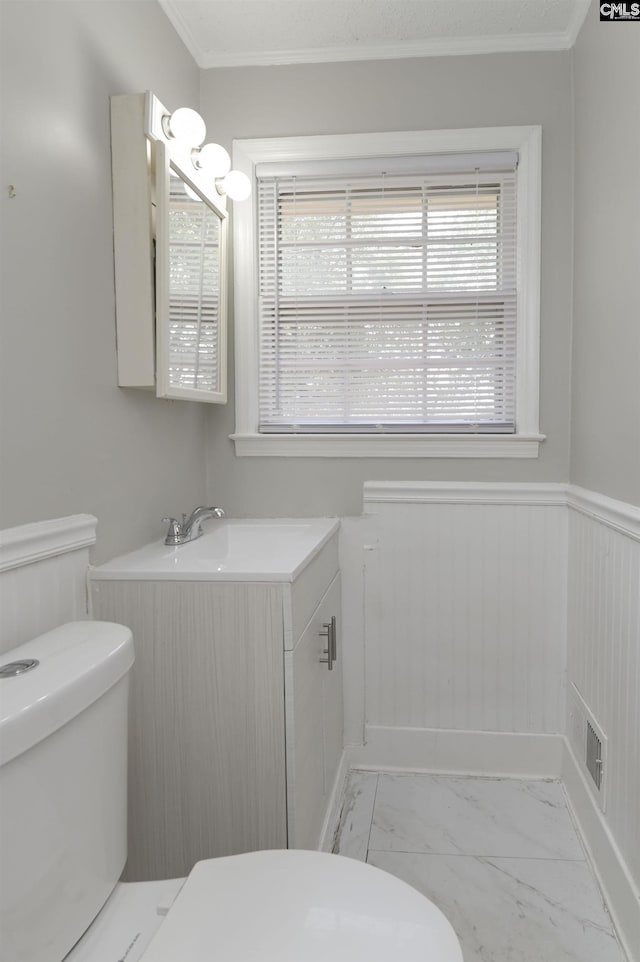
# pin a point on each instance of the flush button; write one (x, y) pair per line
(13, 668)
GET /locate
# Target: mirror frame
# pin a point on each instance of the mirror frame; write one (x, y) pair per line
(168, 155)
(164, 165)
(139, 151)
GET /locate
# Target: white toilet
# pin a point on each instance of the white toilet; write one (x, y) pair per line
(63, 763)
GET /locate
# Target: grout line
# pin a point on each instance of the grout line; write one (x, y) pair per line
(575, 825)
(585, 860)
(528, 858)
(373, 808)
(475, 776)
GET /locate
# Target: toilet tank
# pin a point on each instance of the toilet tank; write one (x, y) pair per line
(63, 786)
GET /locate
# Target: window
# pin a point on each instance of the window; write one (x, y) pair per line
(386, 295)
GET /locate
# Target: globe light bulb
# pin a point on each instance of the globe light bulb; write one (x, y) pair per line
(213, 159)
(236, 185)
(187, 125)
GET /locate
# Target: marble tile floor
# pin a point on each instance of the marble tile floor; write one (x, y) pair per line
(500, 857)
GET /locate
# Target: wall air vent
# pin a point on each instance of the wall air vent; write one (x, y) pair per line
(594, 756)
(589, 744)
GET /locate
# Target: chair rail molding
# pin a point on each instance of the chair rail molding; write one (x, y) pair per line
(463, 492)
(28, 543)
(619, 515)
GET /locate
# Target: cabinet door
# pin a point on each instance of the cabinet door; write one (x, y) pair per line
(314, 725)
(304, 742)
(206, 752)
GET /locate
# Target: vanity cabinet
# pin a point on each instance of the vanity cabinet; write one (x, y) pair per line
(236, 723)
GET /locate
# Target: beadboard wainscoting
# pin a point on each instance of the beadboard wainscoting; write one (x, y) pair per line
(43, 574)
(603, 667)
(463, 624)
(473, 613)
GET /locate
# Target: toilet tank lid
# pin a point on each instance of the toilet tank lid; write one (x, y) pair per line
(78, 662)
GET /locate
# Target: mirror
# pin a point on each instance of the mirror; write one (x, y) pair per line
(171, 315)
(190, 289)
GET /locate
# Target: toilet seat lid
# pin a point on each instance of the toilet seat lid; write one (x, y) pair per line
(299, 906)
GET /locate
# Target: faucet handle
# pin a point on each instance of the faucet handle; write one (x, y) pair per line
(175, 531)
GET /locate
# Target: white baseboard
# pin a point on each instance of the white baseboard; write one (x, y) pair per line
(620, 892)
(331, 822)
(508, 754)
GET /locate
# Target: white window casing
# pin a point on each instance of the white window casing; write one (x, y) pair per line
(357, 175)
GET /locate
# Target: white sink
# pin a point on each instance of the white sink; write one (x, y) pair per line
(229, 550)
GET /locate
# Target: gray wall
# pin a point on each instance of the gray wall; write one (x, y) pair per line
(405, 95)
(605, 435)
(71, 440)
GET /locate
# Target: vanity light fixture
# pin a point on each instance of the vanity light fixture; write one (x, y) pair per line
(213, 159)
(186, 125)
(235, 185)
(186, 128)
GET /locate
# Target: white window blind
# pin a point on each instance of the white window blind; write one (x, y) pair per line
(387, 302)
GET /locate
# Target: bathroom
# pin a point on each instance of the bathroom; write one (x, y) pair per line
(525, 568)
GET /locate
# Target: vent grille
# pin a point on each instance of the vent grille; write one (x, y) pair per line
(594, 756)
(589, 743)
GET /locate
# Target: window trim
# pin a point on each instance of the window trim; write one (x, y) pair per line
(247, 154)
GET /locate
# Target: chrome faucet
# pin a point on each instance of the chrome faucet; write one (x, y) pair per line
(180, 532)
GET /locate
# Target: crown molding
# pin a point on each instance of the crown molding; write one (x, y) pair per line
(445, 47)
(436, 47)
(179, 24)
(580, 10)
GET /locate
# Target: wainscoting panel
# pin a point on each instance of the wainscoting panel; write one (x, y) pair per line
(465, 611)
(604, 664)
(43, 572)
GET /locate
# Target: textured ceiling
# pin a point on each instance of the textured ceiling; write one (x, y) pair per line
(243, 32)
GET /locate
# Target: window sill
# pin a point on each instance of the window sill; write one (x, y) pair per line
(386, 446)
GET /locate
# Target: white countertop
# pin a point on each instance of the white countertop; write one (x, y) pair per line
(229, 550)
